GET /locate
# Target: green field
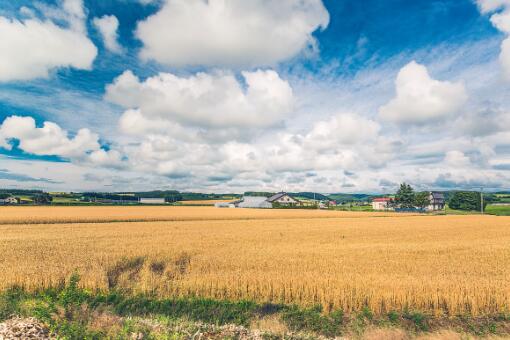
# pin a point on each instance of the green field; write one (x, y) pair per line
(499, 210)
(354, 208)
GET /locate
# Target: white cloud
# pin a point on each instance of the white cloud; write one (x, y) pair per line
(230, 32)
(500, 20)
(33, 47)
(343, 141)
(487, 6)
(333, 144)
(108, 25)
(504, 57)
(457, 159)
(163, 143)
(49, 139)
(109, 159)
(27, 12)
(481, 123)
(272, 159)
(343, 129)
(52, 140)
(421, 99)
(203, 100)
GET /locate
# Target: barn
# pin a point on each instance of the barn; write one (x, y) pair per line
(255, 202)
(146, 200)
(283, 198)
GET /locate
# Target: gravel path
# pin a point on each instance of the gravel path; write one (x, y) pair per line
(23, 329)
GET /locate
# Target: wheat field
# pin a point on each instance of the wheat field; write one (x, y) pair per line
(438, 264)
(204, 202)
(101, 214)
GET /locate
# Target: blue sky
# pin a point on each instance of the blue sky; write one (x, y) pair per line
(231, 95)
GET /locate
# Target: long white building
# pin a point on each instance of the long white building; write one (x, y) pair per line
(144, 200)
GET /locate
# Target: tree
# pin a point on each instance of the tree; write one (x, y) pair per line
(422, 200)
(404, 197)
(43, 198)
(172, 198)
(466, 200)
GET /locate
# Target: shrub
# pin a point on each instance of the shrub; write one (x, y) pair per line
(313, 320)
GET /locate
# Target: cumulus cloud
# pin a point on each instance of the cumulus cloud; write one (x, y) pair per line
(342, 141)
(106, 158)
(342, 129)
(421, 99)
(456, 158)
(504, 57)
(482, 123)
(500, 18)
(345, 141)
(49, 139)
(230, 32)
(33, 47)
(204, 100)
(487, 6)
(52, 140)
(108, 25)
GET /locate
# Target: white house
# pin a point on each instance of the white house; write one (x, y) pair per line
(144, 200)
(381, 203)
(437, 201)
(9, 200)
(283, 198)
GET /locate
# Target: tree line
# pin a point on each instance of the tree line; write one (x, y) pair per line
(407, 198)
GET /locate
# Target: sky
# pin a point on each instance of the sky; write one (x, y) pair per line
(236, 95)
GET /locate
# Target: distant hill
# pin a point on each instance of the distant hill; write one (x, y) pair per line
(182, 196)
(258, 193)
(311, 196)
(339, 197)
(20, 192)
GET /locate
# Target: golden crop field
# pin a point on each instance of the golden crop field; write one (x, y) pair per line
(440, 264)
(76, 214)
(203, 202)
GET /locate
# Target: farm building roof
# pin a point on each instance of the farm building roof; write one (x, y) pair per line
(277, 196)
(437, 195)
(254, 202)
(382, 199)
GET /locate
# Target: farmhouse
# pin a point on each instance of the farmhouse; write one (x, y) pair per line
(144, 200)
(9, 200)
(260, 202)
(381, 203)
(282, 198)
(437, 201)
